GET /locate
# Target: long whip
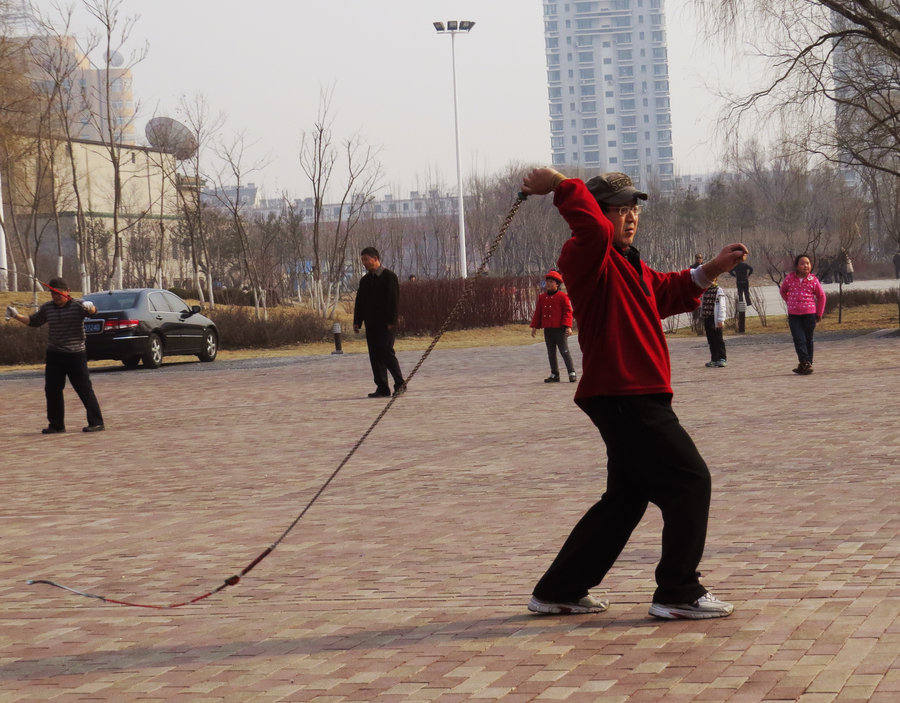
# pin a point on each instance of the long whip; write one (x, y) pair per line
(232, 580)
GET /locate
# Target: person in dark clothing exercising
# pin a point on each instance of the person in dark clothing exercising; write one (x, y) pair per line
(66, 357)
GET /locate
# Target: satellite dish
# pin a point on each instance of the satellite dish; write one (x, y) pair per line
(116, 59)
(172, 137)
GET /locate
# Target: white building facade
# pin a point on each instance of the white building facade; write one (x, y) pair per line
(608, 88)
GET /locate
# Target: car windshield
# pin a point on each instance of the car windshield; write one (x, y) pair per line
(114, 301)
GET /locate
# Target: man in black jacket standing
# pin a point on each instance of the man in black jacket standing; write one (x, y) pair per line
(377, 302)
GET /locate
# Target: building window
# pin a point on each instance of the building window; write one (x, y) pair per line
(629, 121)
(630, 154)
(554, 93)
(626, 88)
(553, 59)
(627, 104)
(551, 26)
(552, 42)
(588, 91)
(592, 156)
(556, 125)
(589, 106)
(590, 140)
(629, 138)
(557, 142)
(556, 109)
(665, 152)
(586, 74)
(611, 145)
(558, 159)
(664, 135)
(589, 123)
(611, 127)
(624, 54)
(574, 139)
(662, 103)
(661, 86)
(586, 57)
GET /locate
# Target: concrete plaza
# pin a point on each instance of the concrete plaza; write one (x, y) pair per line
(408, 579)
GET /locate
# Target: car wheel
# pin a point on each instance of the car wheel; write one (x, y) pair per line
(210, 346)
(131, 362)
(154, 355)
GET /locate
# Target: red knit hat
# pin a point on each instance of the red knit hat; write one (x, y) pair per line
(555, 275)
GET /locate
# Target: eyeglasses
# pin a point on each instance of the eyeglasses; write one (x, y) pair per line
(625, 209)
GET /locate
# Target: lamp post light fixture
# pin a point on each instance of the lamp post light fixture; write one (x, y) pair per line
(453, 28)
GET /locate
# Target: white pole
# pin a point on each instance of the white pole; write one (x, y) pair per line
(459, 184)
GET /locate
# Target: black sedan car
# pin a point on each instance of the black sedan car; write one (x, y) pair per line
(146, 324)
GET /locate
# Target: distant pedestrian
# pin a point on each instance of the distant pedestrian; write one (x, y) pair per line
(553, 314)
(698, 261)
(376, 307)
(696, 317)
(66, 355)
(897, 265)
(845, 265)
(412, 278)
(712, 307)
(742, 273)
(806, 306)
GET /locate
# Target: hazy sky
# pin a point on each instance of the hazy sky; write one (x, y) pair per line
(263, 64)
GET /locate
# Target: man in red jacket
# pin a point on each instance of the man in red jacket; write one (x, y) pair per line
(625, 389)
(553, 314)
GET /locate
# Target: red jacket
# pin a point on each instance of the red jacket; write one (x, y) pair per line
(552, 311)
(623, 345)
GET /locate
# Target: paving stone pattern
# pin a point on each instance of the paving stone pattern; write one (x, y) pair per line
(408, 579)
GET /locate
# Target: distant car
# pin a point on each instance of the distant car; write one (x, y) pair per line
(146, 324)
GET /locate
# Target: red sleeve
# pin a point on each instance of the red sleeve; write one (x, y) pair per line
(675, 292)
(536, 318)
(585, 255)
(566, 310)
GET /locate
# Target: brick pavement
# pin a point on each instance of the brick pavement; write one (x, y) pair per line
(408, 580)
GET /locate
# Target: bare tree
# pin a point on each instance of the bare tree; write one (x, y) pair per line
(204, 128)
(230, 193)
(361, 177)
(115, 32)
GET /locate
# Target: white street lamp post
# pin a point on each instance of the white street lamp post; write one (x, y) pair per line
(453, 28)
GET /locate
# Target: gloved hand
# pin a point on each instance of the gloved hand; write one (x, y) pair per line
(88, 306)
(11, 312)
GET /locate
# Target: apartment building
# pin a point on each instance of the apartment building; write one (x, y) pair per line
(608, 88)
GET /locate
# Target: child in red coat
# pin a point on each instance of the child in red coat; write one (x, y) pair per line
(553, 314)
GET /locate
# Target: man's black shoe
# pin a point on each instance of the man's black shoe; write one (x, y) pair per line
(53, 430)
(380, 394)
(93, 428)
(400, 390)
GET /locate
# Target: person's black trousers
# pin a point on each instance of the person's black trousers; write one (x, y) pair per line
(650, 459)
(62, 365)
(555, 338)
(802, 329)
(382, 358)
(715, 338)
(743, 292)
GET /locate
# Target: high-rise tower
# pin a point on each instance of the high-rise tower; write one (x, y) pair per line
(608, 88)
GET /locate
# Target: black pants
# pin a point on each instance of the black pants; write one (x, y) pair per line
(59, 366)
(650, 459)
(380, 341)
(555, 338)
(715, 339)
(802, 329)
(743, 292)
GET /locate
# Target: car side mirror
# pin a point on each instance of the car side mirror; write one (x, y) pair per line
(195, 309)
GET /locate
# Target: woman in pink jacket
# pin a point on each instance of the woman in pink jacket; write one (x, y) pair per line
(805, 305)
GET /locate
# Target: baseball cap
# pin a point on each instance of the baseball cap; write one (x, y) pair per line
(614, 188)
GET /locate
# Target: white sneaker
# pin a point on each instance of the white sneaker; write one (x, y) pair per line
(588, 604)
(707, 606)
